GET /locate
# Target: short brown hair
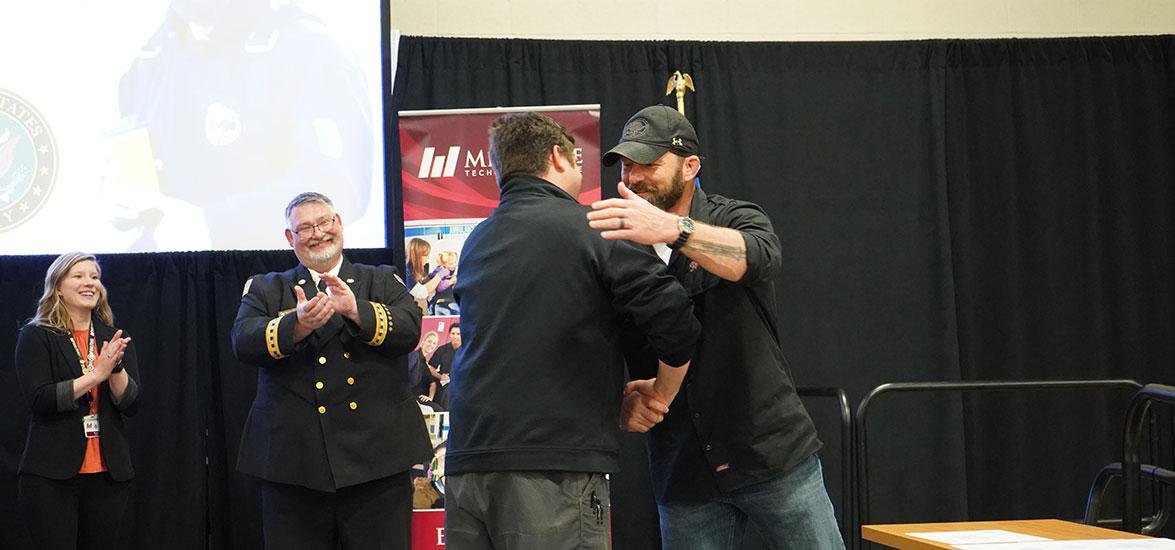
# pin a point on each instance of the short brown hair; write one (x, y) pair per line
(519, 143)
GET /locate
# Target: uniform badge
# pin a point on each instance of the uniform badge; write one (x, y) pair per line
(222, 125)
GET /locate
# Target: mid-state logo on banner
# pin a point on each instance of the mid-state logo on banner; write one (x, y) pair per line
(445, 165)
(445, 162)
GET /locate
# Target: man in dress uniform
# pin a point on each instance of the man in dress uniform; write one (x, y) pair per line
(334, 428)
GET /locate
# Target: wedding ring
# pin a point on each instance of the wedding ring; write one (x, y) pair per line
(621, 224)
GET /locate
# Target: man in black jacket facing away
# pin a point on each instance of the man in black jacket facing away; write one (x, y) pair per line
(537, 384)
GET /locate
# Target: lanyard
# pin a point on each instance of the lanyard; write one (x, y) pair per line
(87, 362)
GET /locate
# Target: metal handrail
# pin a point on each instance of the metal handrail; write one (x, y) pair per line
(848, 465)
(862, 505)
(1131, 465)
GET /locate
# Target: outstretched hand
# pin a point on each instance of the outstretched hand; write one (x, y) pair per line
(633, 218)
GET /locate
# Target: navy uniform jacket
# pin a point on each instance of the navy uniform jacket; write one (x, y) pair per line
(335, 409)
(46, 365)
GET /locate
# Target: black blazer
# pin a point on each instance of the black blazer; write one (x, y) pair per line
(335, 409)
(46, 365)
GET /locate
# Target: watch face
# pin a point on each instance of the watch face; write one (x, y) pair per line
(685, 224)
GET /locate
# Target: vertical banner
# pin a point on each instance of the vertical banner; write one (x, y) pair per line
(449, 187)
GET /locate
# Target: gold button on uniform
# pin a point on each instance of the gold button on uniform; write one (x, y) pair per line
(319, 385)
(350, 381)
(346, 355)
(354, 405)
(322, 360)
(321, 409)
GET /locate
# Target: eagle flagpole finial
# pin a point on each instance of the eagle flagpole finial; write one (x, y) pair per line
(679, 82)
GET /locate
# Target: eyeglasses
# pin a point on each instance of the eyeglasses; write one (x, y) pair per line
(307, 231)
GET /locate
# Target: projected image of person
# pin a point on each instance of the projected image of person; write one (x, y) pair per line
(79, 376)
(247, 102)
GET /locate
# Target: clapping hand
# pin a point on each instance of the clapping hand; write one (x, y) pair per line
(314, 312)
(110, 355)
(341, 297)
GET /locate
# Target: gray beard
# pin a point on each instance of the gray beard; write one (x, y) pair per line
(327, 257)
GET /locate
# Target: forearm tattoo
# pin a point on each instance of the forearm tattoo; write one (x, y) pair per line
(717, 250)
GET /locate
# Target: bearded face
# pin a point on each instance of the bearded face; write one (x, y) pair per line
(662, 183)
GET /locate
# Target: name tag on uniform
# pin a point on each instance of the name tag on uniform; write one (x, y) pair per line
(90, 426)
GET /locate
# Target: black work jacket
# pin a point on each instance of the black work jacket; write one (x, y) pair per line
(737, 420)
(537, 382)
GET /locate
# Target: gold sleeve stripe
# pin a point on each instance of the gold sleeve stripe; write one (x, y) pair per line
(271, 338)
(382, 324)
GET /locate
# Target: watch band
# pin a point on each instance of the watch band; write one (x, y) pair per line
(686, 225)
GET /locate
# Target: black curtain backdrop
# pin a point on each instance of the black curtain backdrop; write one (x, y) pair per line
(950, 210)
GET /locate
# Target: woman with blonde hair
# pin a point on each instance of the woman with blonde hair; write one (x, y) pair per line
(79, 377)
(421, 282)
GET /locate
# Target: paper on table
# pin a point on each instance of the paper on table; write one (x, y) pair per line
(1103, 544)
(980, 536)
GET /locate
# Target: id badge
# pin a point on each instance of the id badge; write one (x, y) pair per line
(90, 426)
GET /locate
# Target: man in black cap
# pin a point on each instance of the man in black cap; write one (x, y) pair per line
(737, 443)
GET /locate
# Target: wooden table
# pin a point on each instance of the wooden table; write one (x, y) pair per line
(894, 535)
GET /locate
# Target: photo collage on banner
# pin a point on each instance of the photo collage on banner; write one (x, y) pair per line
(449, 187)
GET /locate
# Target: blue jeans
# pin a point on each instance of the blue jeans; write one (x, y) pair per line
(791, 511)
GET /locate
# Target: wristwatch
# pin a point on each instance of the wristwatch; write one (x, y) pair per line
(686, 227)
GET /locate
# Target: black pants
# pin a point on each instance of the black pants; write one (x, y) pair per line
(376, 515)
(84, 511)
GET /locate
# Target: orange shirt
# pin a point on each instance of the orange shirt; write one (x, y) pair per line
(92, 463)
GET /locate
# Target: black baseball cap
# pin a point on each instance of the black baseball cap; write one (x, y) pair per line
(650, 133)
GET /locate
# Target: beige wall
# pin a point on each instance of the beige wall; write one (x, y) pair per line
(785, 20)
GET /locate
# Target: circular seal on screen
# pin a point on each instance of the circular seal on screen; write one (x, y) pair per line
(28, 160)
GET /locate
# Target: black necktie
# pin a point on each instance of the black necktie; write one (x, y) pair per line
(321, 285)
